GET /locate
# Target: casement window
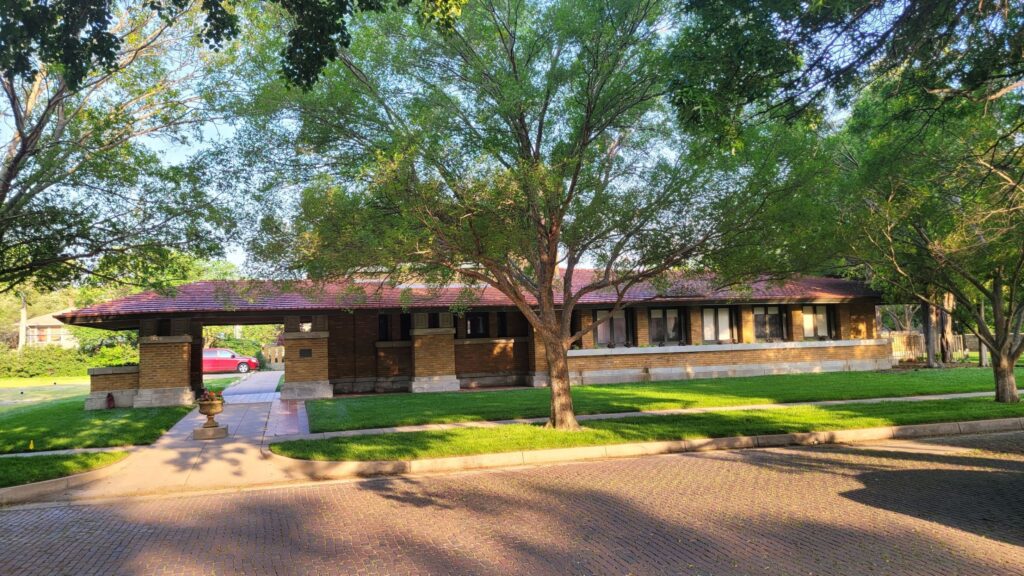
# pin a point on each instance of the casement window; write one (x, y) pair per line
(502, 324)
(477, 324)
(383, 327)
(819, 322)
(405, 327)
(769, 323)
(667, 326)
(614, 329)
(719, 324)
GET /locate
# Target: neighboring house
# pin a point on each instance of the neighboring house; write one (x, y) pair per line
(370, 337)
(47, 330)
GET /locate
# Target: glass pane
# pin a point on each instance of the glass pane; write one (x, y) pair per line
(760, 325)
(657, 328)
(773, 310)
(808, 321)
(674, 328)
(709, 324)
(603, 330)
(775, 326)
(619, 327)
(821, 321)
(724, 324)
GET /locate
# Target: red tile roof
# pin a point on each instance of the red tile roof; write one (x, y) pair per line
(262, 297)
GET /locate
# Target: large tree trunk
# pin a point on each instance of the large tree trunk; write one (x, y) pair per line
(946, 328)
(928, 326)
(563, 416)
(1006, 382)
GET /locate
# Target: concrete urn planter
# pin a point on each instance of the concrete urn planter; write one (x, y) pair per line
(211, 408)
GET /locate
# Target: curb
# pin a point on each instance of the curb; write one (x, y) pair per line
(335, 470)
(36, 490)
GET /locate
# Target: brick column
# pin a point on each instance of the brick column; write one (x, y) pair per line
(538, 376)
(643, 337)
(696, 325)
(747, 324)
(306, 366)
(796, 324)
(433, 360)
(164, 371)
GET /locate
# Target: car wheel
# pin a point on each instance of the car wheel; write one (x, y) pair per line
(243, 367)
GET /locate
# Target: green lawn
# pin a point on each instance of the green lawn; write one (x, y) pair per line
(15, 471)
(515, 437)
(220, 384)
(21, 390)
(407, 409)
(64, 423)
(42, 381)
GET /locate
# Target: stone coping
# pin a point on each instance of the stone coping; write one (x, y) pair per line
(327, 470)
(728, 347)
(165, 339)
(105, 370)
(431, 331)
(306, 335)
(393, 344)
(509, 340)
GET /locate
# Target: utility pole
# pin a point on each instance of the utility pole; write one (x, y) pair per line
(982, 350)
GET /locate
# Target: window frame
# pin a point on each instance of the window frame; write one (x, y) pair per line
(384, 327)
(733, 324)
(684, 326)
(629, 327)
(830, 321)
(783, 328)
(486, 323)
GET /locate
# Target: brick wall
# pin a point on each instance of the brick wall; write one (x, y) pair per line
(309, 369)
(394, 361)
(747, 324)
(696, 326)
(487, 357)
(164, 361)
(860, 320)
(725, 357)
(433, 352)
(642, 319)
(111, 382)
(586, 321)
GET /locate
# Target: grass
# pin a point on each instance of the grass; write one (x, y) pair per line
(515, 437)
(42, 381)
(408, 409)
(16, 471)
(280, 382)
(61, 424)
(220, 384)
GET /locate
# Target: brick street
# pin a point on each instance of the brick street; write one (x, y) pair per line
(884, 509)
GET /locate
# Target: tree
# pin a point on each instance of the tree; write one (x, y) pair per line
(81, 37)
(741, 59)
(82, 188)
(529, 143)
(932, 203)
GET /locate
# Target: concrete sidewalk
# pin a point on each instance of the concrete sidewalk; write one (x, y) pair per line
(255, 387)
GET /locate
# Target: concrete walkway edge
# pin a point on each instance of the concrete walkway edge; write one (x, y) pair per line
(36, 490)
(332, 470)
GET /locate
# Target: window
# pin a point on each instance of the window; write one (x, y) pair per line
(769, 324)
(613, 329)
(719, 324)
(818, 322)
(224, 354)
(666, 326)
(383, 327)
(502, 324)
(433, 320)
(477, 325)
(209, 353)
(405, 327)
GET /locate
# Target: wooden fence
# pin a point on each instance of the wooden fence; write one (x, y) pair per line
(908, 346)
(274, 356)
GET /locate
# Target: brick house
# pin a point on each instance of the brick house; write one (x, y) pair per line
(363, 336)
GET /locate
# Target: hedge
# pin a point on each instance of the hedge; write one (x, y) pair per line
(42, 361)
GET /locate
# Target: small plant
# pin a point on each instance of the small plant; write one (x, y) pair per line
(211, 396)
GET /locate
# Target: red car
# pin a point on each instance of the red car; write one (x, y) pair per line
(225, 360)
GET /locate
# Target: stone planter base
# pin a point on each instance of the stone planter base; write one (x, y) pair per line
(154, 397)
(307, 390)
(449, 383)
(210, 433)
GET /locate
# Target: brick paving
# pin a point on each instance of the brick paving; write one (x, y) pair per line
(938, 507)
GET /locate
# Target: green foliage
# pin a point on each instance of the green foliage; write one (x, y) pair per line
(116, 355)
(42, 361)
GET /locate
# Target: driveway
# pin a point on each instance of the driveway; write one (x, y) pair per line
(943, 506)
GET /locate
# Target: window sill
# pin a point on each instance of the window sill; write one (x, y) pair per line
(727, 347)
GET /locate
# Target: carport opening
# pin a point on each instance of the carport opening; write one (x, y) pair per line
(239, 349)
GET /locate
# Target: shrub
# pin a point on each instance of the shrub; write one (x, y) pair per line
(117, 355)
(42, 361)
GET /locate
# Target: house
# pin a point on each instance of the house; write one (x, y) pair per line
(46, 330)
(367, 336)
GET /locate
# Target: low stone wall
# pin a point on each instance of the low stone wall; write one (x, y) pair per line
(605, 366)
(122, 382)
(485, 362)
